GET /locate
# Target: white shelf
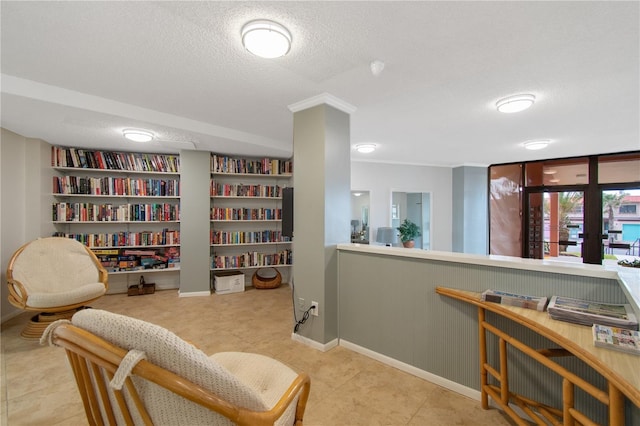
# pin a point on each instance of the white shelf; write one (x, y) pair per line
(114, 171)
(117, 196)
(250, 267)
(256, 175)
(247, 220)
(145, 271)
(112, 222)
(251, 244)
(244, 197)
(134, 247)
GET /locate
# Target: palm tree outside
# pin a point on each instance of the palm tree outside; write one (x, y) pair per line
(611, 202)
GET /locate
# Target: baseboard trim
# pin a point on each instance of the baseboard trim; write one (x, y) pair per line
(11, 315)
(194, 293)
(315, 345)
(430, 377)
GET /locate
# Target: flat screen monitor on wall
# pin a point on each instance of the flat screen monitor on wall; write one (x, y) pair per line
(287, 212)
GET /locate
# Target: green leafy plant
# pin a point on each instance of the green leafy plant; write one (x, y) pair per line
(408, 231)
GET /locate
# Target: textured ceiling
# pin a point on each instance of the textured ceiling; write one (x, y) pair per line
(77, 73)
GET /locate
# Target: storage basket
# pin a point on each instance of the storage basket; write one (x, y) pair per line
(266, 278)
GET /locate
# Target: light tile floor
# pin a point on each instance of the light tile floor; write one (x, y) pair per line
(347, 388)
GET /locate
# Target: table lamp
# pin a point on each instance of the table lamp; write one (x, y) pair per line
(387, 236)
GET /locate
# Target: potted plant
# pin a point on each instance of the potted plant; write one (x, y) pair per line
(408, 232)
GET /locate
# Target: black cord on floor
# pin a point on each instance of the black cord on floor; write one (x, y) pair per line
(305, 317)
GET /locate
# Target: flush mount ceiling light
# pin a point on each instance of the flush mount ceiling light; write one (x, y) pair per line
(549, 171)
(366, 148)
(266, 39)
(357, 194)
(534, 145)
(515, 103)
(137, 135)
(554, 180)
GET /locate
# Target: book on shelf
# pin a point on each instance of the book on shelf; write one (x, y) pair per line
(512, 299)
(616, 338)
(587, 312)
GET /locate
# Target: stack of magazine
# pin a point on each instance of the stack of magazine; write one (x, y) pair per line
(588, 313)
(619, 339)
(512, 299)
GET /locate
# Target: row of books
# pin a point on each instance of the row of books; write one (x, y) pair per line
(264, 166)
(88, 212)
(220, 213)
(125, 239)
(250, 259)
(106, 160)
(242, 190)
(119, 260)
(116, 186)
(246, 237)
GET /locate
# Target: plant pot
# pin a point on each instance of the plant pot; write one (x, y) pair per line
(409, 244)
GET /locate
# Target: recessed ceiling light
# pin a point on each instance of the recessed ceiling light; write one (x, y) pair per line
(137, 135)
(515, 103)
(366, 148)
(266, 39)
(538, 144)
(357, 194)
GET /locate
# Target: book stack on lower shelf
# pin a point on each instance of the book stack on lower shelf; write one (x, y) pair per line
(133, 260)
(587, 312)
(616, 338)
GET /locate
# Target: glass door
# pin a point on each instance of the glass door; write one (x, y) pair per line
(554, 225)
(620, 225)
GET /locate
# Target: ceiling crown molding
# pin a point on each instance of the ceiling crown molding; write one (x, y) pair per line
(324, 98)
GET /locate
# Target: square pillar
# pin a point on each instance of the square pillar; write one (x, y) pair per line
(322, 197)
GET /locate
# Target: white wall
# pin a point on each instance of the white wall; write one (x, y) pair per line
(25, 199)
(382, 179)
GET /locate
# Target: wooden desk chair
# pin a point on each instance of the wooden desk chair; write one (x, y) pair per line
(54, 276)
(132, 372)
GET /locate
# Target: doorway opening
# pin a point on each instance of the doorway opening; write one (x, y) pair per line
(415, 206)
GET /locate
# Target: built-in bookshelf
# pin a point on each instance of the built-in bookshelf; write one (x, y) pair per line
(124, 206)
(246, 213)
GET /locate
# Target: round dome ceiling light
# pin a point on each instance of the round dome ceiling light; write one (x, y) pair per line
(535, 145)
(266, 39)
(515, 103)
(549, 171)
(366, 148)
(137, 135)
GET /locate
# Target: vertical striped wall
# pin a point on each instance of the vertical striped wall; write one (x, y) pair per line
(388, 305)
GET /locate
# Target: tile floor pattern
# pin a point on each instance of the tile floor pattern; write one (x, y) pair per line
(346, 388)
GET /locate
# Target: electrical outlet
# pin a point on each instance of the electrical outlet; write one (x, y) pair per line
(301, 303)
(315, 307)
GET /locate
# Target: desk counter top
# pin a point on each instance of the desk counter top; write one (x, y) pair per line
(629, 278)
(618, 367)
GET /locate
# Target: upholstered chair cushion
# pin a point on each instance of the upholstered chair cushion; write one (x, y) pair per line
(57, 272)
(266, 376)
(165, 349)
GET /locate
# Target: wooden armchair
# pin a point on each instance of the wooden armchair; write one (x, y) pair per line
(132, 372)
(54, 276)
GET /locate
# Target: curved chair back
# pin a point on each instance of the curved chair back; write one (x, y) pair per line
(132, 372)
(53, 274)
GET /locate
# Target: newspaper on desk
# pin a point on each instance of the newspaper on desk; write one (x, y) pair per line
(587, 312)
(512, 299)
